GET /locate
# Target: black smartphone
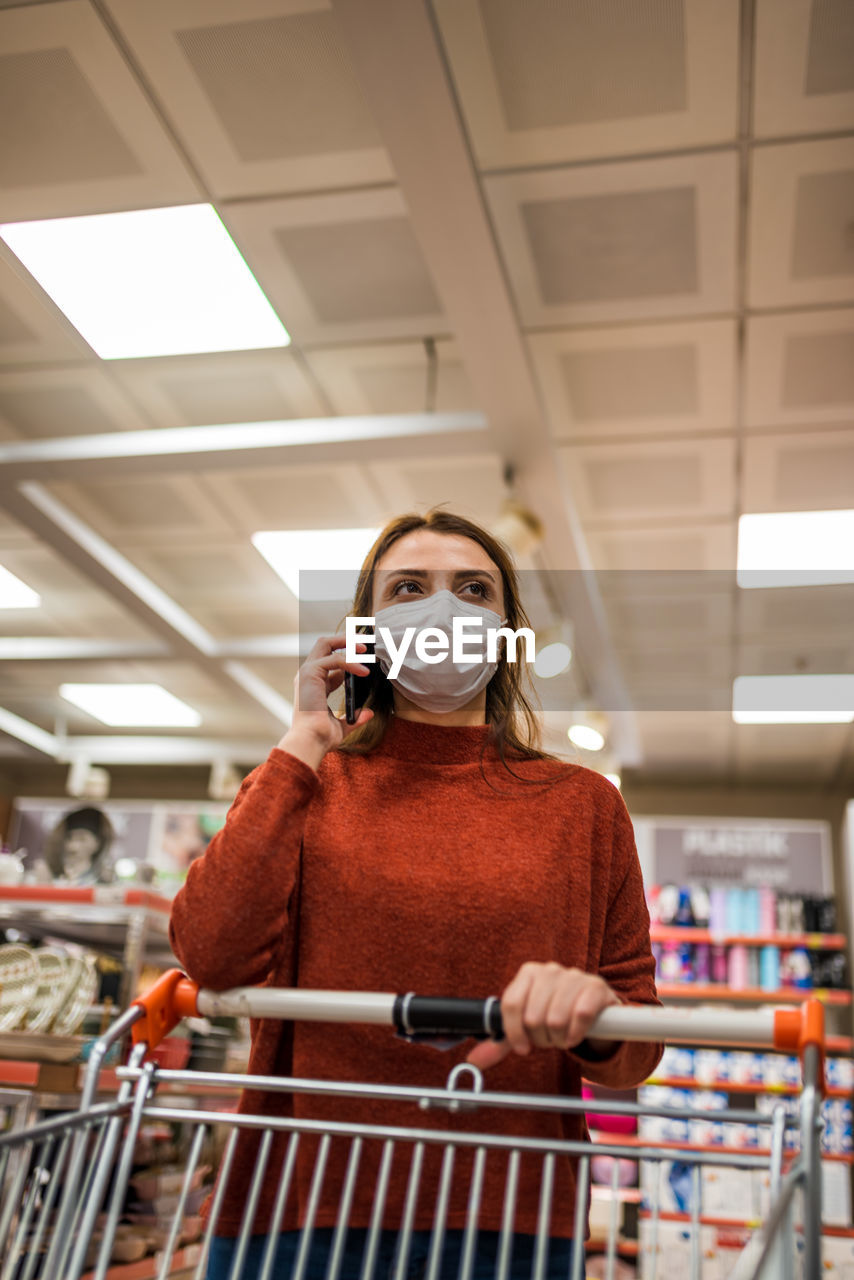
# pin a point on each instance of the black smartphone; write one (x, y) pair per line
(356, 690)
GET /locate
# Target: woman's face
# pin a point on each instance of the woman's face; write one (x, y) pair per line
(78, 850)
(424, 562)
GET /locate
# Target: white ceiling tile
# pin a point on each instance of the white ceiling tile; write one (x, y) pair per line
(680, 742)
(339, 268)
(229, 387)
(783, 655)
(93, 143)
(806, 618)
(544, 83)
(393, 379)
(673, 480)
(677, 548)
(807, 471)
(262, 92)
(801, 246)
(213, 573)
(800, 369)
(616, 242)
(779, 753)
(650, 380)
(142, 507)
(32, 329)
(471, 487)
(75, 401)
(306, 497)
(804, 67)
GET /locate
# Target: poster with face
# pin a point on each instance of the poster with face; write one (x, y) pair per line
(179, 835)
(134, 842)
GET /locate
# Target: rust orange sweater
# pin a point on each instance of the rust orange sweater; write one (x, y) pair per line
(425, 867)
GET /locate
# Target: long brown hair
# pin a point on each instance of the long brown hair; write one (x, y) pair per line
(514, 726)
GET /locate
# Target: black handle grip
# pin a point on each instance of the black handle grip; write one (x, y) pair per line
(422, 1017)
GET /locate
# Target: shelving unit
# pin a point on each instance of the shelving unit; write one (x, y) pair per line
(130, 924)
(729, 1086)
(812, 941)
(751, 995)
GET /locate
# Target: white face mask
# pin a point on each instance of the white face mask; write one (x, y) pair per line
(436, 686)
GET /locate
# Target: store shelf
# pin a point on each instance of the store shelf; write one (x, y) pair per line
(112, 895)
(626, 1195)
(99, 916)
(129, 924)
(148, 1268)
(835, 1045)
(711, 1220)
(812, 941)
(625, 1248)
(784, 995)
(632, 1140)
(729, 1086)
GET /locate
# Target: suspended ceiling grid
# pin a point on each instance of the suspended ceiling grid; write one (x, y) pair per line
(627, 232)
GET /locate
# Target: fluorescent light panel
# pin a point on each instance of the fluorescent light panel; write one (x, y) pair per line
(328, 559)
(807, 699)
(152, 282)
(126, 705)
(795, 548)
(15, 594)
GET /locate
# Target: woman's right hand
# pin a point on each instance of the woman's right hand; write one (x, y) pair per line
(315, 729)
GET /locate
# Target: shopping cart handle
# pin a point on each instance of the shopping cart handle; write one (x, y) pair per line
(415, 1017)
(174, 996)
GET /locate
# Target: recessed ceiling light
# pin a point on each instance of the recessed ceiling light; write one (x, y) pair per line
(15, 594)
(151, 282)
(585, 737)
(615, 780)
(807, 699)
(552, 660)
(795, 548)
(317, 564)
(140, 705)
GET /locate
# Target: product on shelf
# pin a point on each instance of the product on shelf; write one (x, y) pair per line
(788, 951)
(45, 989)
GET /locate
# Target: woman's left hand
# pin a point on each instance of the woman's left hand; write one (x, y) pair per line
(547, 1007)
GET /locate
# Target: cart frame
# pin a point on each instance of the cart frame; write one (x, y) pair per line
(67, 1176)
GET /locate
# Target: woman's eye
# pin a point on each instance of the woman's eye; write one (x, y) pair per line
(403, 588)
(478, 588)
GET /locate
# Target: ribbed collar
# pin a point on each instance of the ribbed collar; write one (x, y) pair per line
(422, 743)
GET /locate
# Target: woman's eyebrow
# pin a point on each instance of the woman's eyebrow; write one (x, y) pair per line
(425, 573)
(474, 573)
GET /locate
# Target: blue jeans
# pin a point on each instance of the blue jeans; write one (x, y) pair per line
(222, 1251)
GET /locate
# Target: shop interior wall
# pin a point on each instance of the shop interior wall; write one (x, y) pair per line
(191, 783)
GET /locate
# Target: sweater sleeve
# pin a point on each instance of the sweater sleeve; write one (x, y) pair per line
(230, 917)
(626, 962)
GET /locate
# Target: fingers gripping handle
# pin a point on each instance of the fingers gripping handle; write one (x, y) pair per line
(172, 998)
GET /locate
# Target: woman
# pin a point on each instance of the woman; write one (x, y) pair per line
(430, 847)
(78, 847)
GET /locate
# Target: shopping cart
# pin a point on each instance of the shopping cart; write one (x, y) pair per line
(66, 1180)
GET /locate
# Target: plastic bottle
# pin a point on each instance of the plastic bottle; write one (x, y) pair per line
(684, 917)
(769, 968)
(717, 911)
(737, 969)
(671, 963)
(702, 963)
(767, 911)
(719, 966)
